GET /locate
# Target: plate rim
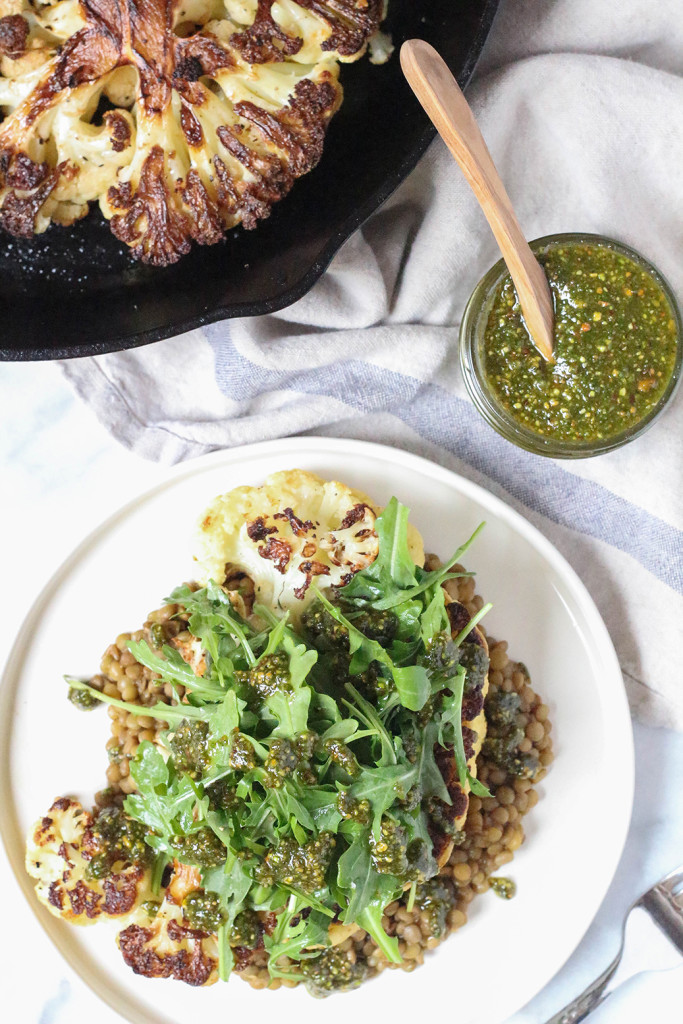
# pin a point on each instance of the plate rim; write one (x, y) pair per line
(100, 984)
(280, 300)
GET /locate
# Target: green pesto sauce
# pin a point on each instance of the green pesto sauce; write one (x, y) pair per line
(503, 887)
(615, 346)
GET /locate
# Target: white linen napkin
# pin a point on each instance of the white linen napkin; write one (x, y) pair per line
(581, 103)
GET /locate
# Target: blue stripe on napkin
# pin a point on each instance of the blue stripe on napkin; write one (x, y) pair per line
(452, 423)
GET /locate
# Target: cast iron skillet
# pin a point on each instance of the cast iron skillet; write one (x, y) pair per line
(76, 292)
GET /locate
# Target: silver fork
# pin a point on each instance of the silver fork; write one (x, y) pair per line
(664, 905)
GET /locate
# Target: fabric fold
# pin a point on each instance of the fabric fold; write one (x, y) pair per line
(580, 102)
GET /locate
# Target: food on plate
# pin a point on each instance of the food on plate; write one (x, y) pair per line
(616, 346)
(311, 773)
(256, 532)
(180, 119)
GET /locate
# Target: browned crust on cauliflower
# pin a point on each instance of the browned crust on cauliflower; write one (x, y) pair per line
(120, 130)
(33, 184)
(299, 527)
(13, 35)
(457, 809)
(167, 233)
(193, 967)
(167, 173)
(354, 515)
(166, 945)
(278, 552)
(353, 22)
(310, 570)
(264, 41)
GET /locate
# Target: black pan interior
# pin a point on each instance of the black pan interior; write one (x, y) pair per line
(75, 291)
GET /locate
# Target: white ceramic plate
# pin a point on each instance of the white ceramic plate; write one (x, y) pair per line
(507, 951)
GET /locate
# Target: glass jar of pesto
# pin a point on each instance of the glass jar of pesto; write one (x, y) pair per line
(618, 350)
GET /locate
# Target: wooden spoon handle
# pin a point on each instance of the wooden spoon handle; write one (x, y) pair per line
(440, 95)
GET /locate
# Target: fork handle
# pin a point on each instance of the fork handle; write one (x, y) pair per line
(584, 1004)
(661, 905)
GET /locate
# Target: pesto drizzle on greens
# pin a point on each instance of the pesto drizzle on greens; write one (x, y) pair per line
(301, 774)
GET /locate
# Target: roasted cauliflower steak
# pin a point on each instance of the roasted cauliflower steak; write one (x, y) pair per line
(182, 118)
(292, 530)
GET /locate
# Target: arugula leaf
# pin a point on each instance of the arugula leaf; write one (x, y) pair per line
(356, 877)
(416, 824)
(211, 612)
(322, 805)
(324, 712)
(434, 618)
(158, 868)
(294, 934)
(148, 768)
(227, 715)
(412, 682)
(276, 636)
(371, 920)
(430, 777)
(344, 730)
(290, 708)
(405, 645)
(166, 712)
(158, 800)
(174, 669)
(477, 787)
(367, 892)
(301, 659)
(457, 687)
(451, 715)
(226, 958)
(395, 558)
(393, 570)
(231, 884)
(287, 805)
(369, 717)
(383, 787)
(290, 704)
(260, 821)
(413, 685)
(427, 579)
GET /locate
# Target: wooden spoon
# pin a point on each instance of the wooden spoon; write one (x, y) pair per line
(440, 95)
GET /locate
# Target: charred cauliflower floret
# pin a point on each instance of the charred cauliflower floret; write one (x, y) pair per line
(160, 942)
(181, 118)
(293, 530)
(83, 871)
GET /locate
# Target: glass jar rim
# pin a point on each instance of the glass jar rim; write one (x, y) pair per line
(471, 333)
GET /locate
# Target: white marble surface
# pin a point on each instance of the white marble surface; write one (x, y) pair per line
(60, 473)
